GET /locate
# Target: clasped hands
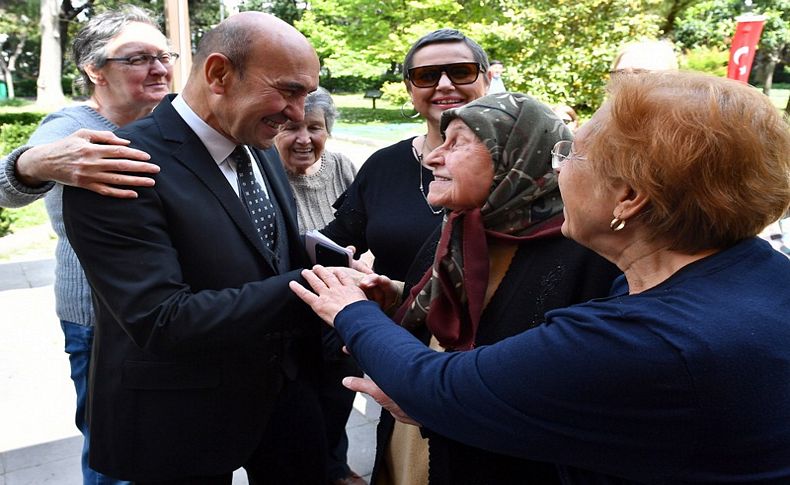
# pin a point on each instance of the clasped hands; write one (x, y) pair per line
(334, 289)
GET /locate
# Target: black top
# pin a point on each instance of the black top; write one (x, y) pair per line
(383, 210)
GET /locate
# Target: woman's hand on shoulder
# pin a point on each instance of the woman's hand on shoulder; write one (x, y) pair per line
(89, 159)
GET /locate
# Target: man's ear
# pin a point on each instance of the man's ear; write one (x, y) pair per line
(95, 74)
(629, 202)
(219, 72)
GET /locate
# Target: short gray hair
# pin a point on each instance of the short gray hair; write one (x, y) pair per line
(321, 99)
(91, 41)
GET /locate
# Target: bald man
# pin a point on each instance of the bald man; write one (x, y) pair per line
(203, 358)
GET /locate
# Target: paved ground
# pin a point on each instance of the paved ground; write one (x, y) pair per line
(39, 443)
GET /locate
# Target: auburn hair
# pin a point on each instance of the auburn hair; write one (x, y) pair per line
(711, 154)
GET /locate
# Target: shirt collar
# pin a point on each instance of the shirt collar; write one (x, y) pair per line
(217, 145)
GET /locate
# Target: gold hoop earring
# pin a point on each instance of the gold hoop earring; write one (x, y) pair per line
(617, 224)
(409, 117)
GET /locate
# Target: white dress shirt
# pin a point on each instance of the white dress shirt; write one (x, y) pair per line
(217, 145)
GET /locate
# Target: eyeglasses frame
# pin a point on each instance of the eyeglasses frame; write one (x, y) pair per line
(151, 58)
(558, 159)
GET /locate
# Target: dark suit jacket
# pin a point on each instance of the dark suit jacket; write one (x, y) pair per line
(197, 329)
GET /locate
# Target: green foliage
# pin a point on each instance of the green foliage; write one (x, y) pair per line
(16, 128)
(30, 215)
(369, 115)
(712, 23)
(14, 135)
(711, 60)
(558, 50)
(395, 93)
(348, 84)
(22, 117)
(15, 103)
(5, 222)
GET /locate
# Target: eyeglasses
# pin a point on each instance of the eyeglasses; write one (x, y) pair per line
(166, 58)
(459, 73)
(561, 153)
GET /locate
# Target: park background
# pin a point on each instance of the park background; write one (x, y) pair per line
(559, 51)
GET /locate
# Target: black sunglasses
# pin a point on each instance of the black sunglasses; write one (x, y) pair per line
(459, 73)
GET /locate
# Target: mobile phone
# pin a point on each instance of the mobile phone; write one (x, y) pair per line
(328, 256)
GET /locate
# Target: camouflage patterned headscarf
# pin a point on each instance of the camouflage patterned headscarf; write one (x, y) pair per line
(524, 203)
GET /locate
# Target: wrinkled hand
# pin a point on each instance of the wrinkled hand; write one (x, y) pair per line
(371, 389)
(333, 291)
(88, 159)
(384, 291)
(358, 264)
(378, 288)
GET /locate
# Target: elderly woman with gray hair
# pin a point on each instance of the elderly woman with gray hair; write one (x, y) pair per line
(318, 178)
(125, 65)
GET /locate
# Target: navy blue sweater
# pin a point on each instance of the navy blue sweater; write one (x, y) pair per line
(688, 382)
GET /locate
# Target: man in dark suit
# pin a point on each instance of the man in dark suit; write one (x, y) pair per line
(203, 357)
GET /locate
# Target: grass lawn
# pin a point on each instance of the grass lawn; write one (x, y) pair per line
(358, 119)
(31, 215)
(779, 97)
(31, 236)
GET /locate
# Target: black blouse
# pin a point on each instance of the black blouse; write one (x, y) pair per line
(384, 211)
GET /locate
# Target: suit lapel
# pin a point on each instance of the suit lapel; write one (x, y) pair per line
(189, 150)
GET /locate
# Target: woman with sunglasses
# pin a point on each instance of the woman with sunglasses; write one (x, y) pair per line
(385, 209)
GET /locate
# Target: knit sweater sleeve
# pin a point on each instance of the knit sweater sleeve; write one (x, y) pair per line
(315, 194)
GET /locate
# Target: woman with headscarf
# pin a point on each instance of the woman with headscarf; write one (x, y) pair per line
(682, 374)
(501, 262)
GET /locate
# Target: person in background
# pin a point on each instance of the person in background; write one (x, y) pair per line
(385, 210)
(204, 361)
(568, 116)
(125, 65)
(646, 55)
(318, 177)
(495, 82)
(682, 374)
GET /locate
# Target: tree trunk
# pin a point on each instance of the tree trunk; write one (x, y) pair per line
(9, 79)
(768, 82)
(50, 93)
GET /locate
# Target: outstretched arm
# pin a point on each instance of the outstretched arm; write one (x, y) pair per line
(93, 160)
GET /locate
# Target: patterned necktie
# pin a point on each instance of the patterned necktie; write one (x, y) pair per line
(255, 199)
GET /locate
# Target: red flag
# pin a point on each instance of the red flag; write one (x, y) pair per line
(744, 45)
